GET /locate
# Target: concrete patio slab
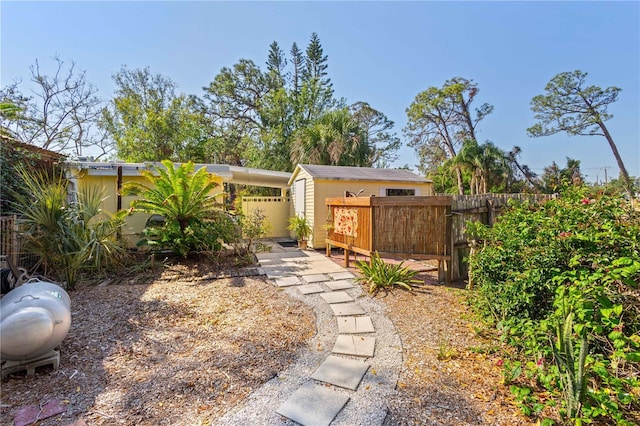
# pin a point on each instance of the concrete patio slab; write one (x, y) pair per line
(354, 325)
(337, 297)
(281, 255)
(339, 285)
(315, 278)
(310, 289)
(287, 281)
(342, 275)
(346, 309)
(343, 372)
(313, 405)
(355, 345)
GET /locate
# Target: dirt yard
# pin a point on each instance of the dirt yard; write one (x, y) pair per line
(178, 345)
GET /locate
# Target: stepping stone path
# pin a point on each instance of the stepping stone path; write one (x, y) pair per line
(321, 398)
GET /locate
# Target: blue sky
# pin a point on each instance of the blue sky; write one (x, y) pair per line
(383, 53)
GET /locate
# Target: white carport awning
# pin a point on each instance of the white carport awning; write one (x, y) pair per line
(229, 174)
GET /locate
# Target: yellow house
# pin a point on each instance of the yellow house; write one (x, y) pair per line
(311, 185)
(111, 177)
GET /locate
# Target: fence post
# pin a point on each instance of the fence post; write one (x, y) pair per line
(15, 249)
(449, 242)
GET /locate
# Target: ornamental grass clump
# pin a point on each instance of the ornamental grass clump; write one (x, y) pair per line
(379, 275)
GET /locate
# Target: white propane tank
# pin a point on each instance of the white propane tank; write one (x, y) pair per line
(34, 319)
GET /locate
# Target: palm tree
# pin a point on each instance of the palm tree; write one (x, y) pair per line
(486, 163)
(335, 139)
(68, 237)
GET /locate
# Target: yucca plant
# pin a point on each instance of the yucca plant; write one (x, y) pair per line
(380, 275)
(574, 374)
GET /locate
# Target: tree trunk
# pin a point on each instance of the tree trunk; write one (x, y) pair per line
(460, 185)
(623, 170)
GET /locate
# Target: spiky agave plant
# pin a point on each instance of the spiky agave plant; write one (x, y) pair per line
(380, 275)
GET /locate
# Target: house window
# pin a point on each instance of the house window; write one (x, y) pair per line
(394, 192)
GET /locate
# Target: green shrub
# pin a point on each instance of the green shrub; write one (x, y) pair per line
(572, 260)
(252, 227)
(380, 275)
(182, 196)
(68, 237)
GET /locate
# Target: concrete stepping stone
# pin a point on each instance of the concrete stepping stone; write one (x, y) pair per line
(310, 289)
(346, 309)
(342, 276)
(287, 281)
(279, 271)
(313, 405)
(343, 372)
(349, 344)
(353, 325)
(315, 278)
(280, 256)
(337, 297)
(339, 285)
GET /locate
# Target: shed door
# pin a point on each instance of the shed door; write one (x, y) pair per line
(299, 187)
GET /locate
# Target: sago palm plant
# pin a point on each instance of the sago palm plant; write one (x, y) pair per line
(183, 197)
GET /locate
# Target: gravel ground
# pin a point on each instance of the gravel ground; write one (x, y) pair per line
(367, 406)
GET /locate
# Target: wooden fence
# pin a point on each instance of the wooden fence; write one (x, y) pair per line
(429, 228)
(485, 208)
(11, 245)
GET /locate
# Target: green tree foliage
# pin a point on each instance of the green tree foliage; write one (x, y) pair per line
(440, 120)
(297, 65)
(486, 164)
(68, 237)
(335, 139)
(317, 91)
(524, 179)
(183, 197)
(617, 186)
(570, 106)
(380, 136)
(554, 178)
(10, 110)
(562, 277)
(267, 109)
(149, 122)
